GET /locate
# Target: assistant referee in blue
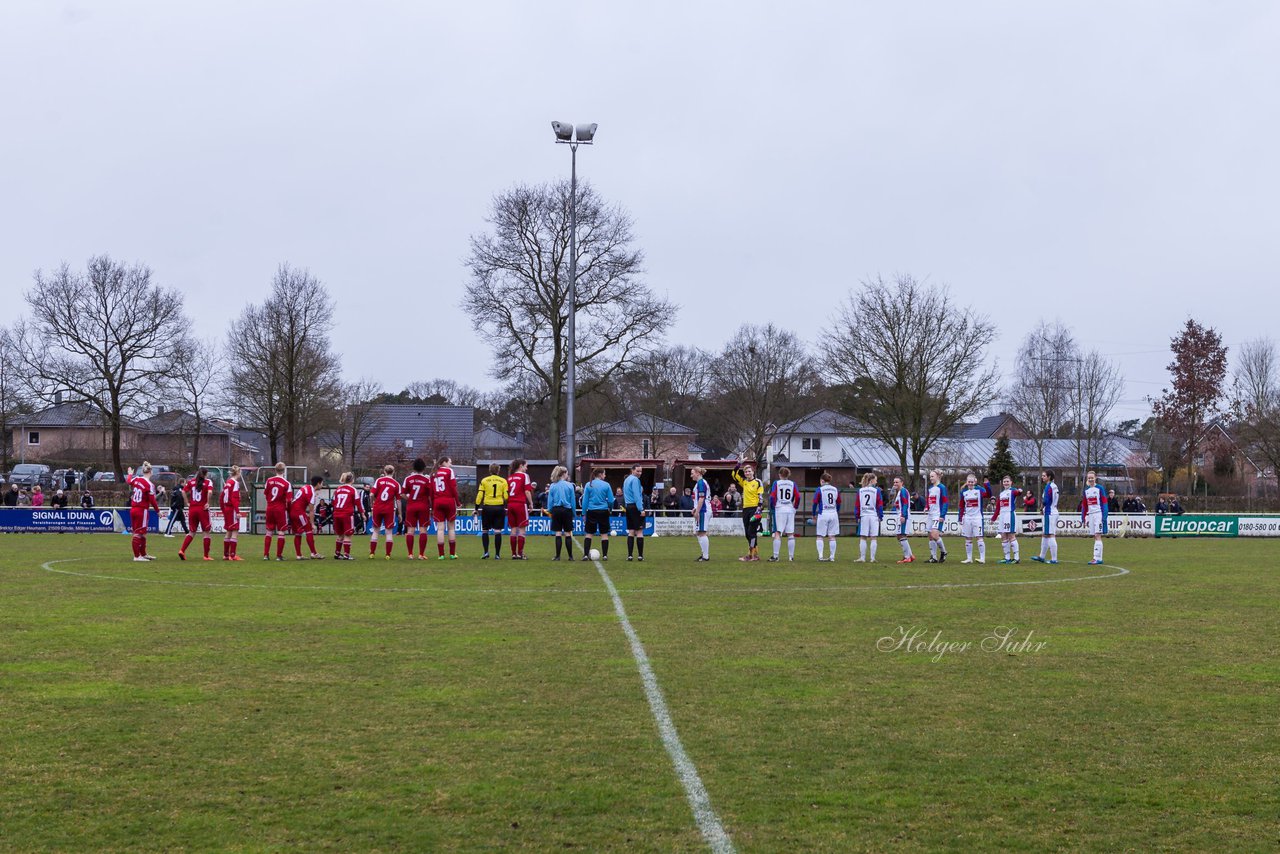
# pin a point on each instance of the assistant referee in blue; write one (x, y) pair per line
(633, 502)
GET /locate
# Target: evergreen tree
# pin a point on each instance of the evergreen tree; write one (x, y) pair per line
(1001, 462)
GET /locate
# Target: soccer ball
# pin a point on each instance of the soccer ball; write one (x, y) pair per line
(595, 554)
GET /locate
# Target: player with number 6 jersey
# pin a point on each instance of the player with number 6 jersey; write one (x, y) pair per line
(417, 509)
(278, 491)
(345, 499)
(386, 495)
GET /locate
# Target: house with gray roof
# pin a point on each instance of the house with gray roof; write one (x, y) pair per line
(401, 432)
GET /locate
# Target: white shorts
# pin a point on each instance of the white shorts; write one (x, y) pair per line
(1094, 524)
(701, 518)
(829, 525)
(869, 526)
(935, 525)
(971, 527)
(1050, 523)
(1003, 527)
(784, 520)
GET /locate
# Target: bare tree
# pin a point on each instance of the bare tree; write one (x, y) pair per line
(519, 292)
(13, 402)
(438, 391)
(285, 378)
(1255, 400)
(917, 360)
(196, 363)
(1041, 393)
(1098, 388)
(670, 384)
(358, 420)
(105, 336)
(763, 378)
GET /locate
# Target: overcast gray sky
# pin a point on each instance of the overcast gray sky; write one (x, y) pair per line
(1111, 164)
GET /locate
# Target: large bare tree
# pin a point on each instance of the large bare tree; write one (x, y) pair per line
(762, 378)
(13, 401)
(358, 420)
(917, 360)
(106, 336)
(285, 378)
(1098, 386)
(518, 293)
(1041, 393)
(671, 384)
(197, 363)
(1255, 400)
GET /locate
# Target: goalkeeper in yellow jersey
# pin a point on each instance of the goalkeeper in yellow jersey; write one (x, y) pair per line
(491, 506)
(752, 495)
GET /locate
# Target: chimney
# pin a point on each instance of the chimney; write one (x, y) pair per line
(57, 398)
(520, 436)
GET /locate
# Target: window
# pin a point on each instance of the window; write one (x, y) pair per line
(811, 443)
(586, 449)
(33, 437)
(646, 450)
(408, 443)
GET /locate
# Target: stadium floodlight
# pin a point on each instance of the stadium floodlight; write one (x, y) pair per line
(581, 135)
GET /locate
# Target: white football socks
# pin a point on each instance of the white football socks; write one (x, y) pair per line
(822, 548)
(704, 543)
(791, 548)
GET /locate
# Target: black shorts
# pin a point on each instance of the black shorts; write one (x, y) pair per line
(635, 518)
(596, 522)
(561, 520)
(493, 518)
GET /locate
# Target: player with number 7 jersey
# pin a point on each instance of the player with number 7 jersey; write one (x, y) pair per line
(417, 509)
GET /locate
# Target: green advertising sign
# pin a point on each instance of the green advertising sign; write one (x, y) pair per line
(1197, 526)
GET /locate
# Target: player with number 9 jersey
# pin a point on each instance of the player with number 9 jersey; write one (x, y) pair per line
(277, 491)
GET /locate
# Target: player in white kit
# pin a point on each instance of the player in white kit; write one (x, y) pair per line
(1049, 533)
(826, 516)
(973, 499)
(1093, 512)
(937, 503)
(870, 512)
(782, 510)
(1006, 519)
(900, 507)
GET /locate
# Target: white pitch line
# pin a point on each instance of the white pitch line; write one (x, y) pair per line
(699, 801)
(48, 567)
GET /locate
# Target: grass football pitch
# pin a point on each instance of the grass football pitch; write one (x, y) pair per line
(396, 705)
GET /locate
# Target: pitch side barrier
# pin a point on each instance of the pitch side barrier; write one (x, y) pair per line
(1068, 525)
(72, 520)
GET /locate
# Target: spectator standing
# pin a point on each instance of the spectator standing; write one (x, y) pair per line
(69, 480)
(59, 500)
(24, 498)
(11, 496)
(732, 499)
(86, 500)
(717, 505)
(177, 512)
(37, 496)
(1174, 507)
(1029, 502)
(671, 501)
(686, 502)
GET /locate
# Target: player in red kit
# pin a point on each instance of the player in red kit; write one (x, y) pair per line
(519, 500)
(386, 495)
(230, 502)
(198, 490)
(302, 518)
(142, 497)
(417, 511)
(279, 492)
(345, 499)
(444, 506)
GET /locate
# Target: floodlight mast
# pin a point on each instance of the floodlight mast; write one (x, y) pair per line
(568, 134)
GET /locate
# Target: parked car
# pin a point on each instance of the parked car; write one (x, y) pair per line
(30, 474)
(105, 477)
(60, 478)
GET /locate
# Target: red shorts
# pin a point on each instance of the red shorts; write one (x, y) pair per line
(276, 520)
(230, 520)
(198, 520)
(417, 516)
(344, 526)
(444, 511)
(384, 519)
(517, 515)
(138, 519)
(301, 523)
